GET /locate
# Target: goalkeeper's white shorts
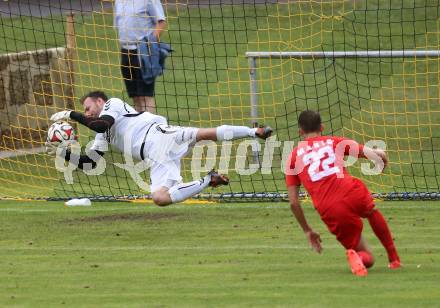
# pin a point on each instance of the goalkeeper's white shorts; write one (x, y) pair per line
(166, 146)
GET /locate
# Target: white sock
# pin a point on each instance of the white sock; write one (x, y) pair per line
(229, 132)
(183, 191)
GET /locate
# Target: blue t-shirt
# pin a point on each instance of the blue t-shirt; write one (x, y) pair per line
(136, 19)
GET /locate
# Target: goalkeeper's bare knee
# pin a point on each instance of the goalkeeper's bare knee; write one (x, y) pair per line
(161, 198)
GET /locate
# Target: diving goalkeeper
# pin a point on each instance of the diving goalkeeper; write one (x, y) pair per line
(147, 136)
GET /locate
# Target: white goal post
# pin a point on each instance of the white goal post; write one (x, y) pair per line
(254, 55)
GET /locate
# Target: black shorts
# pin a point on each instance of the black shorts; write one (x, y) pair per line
(132, 75)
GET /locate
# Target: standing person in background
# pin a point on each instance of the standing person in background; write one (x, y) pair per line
(134, 20)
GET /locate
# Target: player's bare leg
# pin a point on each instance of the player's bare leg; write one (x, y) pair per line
(365, 253)
(144, 103)
(229, 132)
(183, 191)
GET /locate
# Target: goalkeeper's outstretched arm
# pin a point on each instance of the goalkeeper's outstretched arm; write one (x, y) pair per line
(99, 125)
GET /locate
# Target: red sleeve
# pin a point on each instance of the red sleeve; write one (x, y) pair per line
(349, 145)
(292, 178)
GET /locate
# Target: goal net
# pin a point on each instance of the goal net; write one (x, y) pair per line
(53, 53)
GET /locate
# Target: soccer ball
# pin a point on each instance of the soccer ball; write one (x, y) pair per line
(61, 132)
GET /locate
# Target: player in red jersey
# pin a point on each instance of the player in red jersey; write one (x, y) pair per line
(340, 199)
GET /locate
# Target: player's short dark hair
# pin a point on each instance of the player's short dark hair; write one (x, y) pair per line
(95, 95)
(310, 121)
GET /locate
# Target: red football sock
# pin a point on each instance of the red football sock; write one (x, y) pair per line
(366, 258)
(380, 228)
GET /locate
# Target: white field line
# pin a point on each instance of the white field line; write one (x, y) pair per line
(196, 248)
(137, 207)
(21, 152)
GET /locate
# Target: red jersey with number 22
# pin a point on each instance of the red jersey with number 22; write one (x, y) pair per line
(318, 164)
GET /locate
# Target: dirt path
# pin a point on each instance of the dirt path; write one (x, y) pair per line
(15, 8)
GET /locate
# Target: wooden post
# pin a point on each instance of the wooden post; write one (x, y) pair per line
(70, 57)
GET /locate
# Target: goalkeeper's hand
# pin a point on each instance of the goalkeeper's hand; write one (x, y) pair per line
(51, 147)
(62, 115)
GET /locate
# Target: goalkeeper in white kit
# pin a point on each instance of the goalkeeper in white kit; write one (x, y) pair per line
(148, 137)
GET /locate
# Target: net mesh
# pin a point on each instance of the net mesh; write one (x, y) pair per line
(45, 68)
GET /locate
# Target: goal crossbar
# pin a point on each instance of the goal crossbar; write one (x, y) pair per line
(254, 55)
(343, 54)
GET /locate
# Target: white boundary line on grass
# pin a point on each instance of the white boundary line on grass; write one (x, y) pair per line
(57, 207)
(21, 152)
(199, 248)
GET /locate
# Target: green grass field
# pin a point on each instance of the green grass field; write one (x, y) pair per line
(237, 255)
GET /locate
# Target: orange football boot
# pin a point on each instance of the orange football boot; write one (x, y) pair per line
(357, 267)
(395, 264)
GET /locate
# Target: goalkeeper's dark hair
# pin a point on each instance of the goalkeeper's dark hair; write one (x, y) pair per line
(310, 121)
(95, 95)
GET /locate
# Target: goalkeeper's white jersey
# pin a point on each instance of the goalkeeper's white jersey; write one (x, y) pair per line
(129, 129)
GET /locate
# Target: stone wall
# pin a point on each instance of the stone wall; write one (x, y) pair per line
(33, 85)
